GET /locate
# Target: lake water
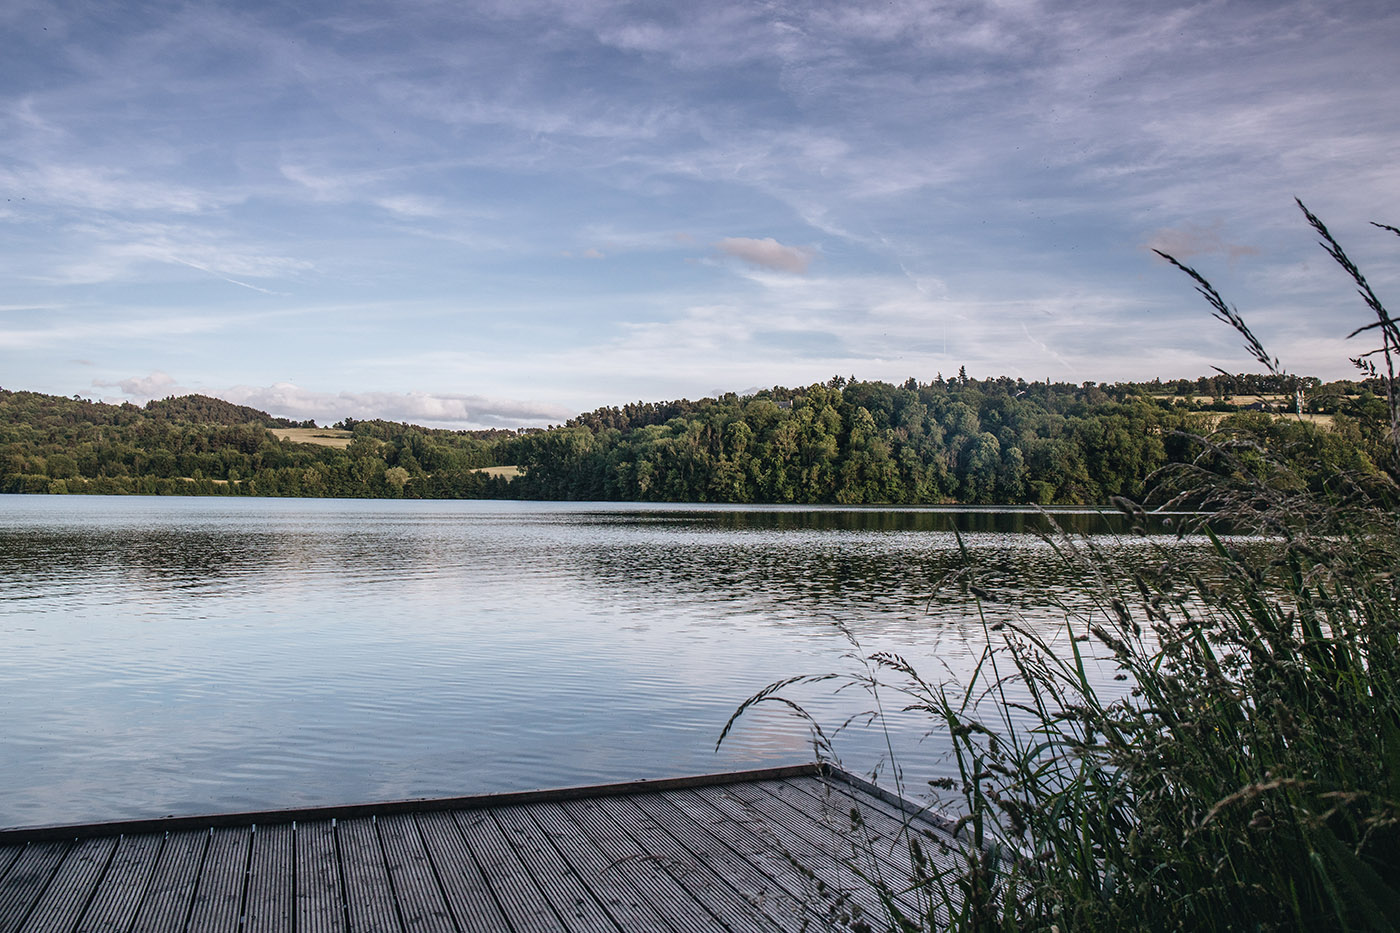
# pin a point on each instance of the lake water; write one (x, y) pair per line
(169, 655)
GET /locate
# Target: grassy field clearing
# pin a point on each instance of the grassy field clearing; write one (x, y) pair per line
(326, 437)
(509, 472)
(1210, 420)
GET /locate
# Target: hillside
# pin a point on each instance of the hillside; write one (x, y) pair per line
(844, 441)
(196, 445)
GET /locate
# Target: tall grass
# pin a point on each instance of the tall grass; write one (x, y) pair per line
(1247, 777)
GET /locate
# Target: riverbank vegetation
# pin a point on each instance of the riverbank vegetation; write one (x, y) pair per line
(959, 439)
(1247, 774)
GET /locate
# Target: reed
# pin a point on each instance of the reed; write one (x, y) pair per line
(1247, 777)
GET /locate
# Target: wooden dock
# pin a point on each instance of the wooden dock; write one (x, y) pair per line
(750, 851)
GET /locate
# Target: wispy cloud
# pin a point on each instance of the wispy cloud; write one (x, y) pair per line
(768, 253)
(112, 250)
(409, 205)
(95, 188)
(288, 400)
(933, 183)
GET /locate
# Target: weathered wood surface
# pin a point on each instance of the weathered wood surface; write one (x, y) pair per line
(771, 850)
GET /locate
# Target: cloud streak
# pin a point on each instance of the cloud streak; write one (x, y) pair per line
(181, 183)
(768, 253)
(288, 400)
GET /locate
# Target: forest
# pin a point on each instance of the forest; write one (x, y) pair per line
(957, 440)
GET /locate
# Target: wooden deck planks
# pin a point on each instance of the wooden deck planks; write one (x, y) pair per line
(218, 898)
(826, 845)
(643, 845)
(72, 886)
(421, 903)
(26, 880)
(8, 856)
(573, 900)
(883, 829)
(731, 885)
(810, 848)
(369, 896)
(523, 902)
(635, 890)
(784, 884)
(269, 904)
(170, 893)
(889, 830)
(320, 905)
(115, 903)
(473, 905)
(773, 851)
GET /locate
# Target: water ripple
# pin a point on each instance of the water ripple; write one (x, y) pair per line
(195, 655)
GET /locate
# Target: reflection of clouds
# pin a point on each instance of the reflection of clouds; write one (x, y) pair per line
(195, 655)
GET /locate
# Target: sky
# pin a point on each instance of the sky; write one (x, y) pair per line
(500, 214)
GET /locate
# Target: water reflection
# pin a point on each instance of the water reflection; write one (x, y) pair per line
(188, 655)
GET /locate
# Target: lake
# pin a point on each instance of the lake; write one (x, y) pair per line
(189, 655)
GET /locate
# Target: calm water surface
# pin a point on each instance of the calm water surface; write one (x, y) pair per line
(165, 655)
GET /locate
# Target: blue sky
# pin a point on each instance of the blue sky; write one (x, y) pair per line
(478, 214)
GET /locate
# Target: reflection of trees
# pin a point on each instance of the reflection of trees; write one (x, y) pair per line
(856, 567)
(183, 557)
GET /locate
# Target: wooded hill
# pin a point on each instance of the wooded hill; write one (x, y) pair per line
(845, 441)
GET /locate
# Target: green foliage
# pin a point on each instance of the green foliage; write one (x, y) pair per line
(1247, 775)
(974, 441)
(202, 446)
(981, 442)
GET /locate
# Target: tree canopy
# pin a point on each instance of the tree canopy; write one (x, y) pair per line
(962, 440)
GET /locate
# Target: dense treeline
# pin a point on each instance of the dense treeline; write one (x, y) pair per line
(960, 440)
(203, 446)
(845, 441)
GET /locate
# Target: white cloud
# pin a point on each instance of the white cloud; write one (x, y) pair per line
(408, 205)
(143, 387)
(286, 399)
(768, 253)
(1012, 155)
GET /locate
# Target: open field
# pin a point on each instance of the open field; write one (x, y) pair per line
(509, 472)
(326, 437)
(1239, 401)
(1211, 419)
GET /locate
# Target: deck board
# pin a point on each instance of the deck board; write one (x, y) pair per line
(421, 904)
(801, 893)
(519, 895)
(8, 856)
(320, 906)
(822, 846)
(218, 898)
(732, 892)
(883, 835)
(170, 894)
(473, 905)
(806, 873)
(67, 895)
(114, 907)
(575, 901)
(269, 905)
(26, 880)
(732, 884)
(637, 892)
(816, 852)
(369, 895)
(757, 852)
